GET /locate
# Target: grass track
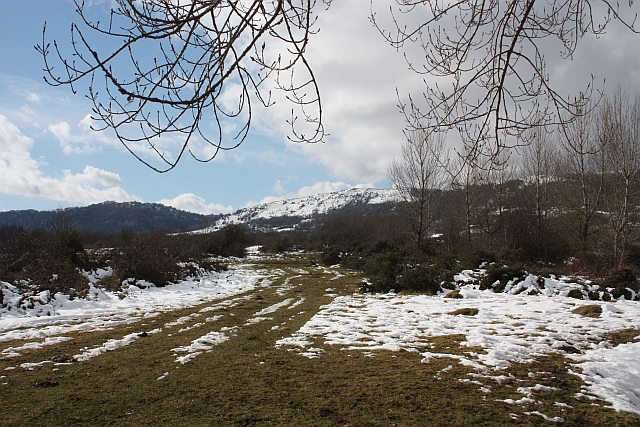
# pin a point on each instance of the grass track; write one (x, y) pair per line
(246, 381)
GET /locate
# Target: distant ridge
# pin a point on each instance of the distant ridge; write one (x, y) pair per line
(111, 217)
(298, 211)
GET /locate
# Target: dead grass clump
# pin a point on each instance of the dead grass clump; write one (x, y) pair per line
(622, 337)
(592, 310)
(465, 311)
(454, 294)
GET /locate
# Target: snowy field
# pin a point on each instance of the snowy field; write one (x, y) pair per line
(51, 317)
(514, 326)
(533, 317)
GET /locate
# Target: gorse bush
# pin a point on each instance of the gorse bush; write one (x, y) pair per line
(497, 277)
(40, 260)
(391, 267)
(382, 263)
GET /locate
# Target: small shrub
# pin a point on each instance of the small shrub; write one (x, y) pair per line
(625, 293)
(592, 310)
(454, 294)
(575, 293)
(230, 241)
(277, 243)
(464, 312)
(424, 279)
(502, 275)
(384, 268)
(622, 281)
(196, 268)
(594, 295)
(623, 278)
(210, 264)
(475, 259)
(330, 255)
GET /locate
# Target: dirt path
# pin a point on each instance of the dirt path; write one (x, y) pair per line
(217, 364)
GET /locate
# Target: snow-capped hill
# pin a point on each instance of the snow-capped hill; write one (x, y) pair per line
(305, 208)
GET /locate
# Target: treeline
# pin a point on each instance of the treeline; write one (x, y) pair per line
(111, 217)
(53, 259)
(561, 202)
(573, 193)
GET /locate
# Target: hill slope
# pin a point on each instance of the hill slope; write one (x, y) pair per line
(111, 217)
(295, 212)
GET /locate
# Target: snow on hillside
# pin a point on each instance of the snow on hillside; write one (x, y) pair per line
(307, 207)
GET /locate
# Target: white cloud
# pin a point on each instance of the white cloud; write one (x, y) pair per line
(192, 203)
(358, 75)
(309, 190)
(83, 141)
(33, 97)
(21, 174)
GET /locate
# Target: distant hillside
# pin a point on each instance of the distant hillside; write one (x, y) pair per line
(306, 211)
(111, 217)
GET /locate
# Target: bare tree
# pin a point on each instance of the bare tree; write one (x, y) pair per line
(419, 176)
(620, 128)
(538, 158)
(490, 58)
(464, 176)
(185, 70)
(490, 207)
(581, 166)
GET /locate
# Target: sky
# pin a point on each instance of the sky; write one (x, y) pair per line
(50, 158)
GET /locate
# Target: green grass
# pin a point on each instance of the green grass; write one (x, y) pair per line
(247, 381)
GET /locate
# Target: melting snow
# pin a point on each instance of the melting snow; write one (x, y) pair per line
(103, 309)
(510, 327)
(110, 345)
(197, 346)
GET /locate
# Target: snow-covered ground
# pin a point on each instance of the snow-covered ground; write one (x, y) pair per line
(509, 328)
(532, 317)
(102, 309)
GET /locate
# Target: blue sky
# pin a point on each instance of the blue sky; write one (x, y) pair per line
(49, 158)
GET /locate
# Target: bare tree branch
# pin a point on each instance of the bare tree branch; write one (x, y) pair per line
(490, 55)
(187, 71)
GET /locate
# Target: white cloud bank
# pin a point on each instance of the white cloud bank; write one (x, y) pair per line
(21, 175)
(191, 203)
(358, 75)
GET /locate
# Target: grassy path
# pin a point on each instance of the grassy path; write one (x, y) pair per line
(246, 380)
